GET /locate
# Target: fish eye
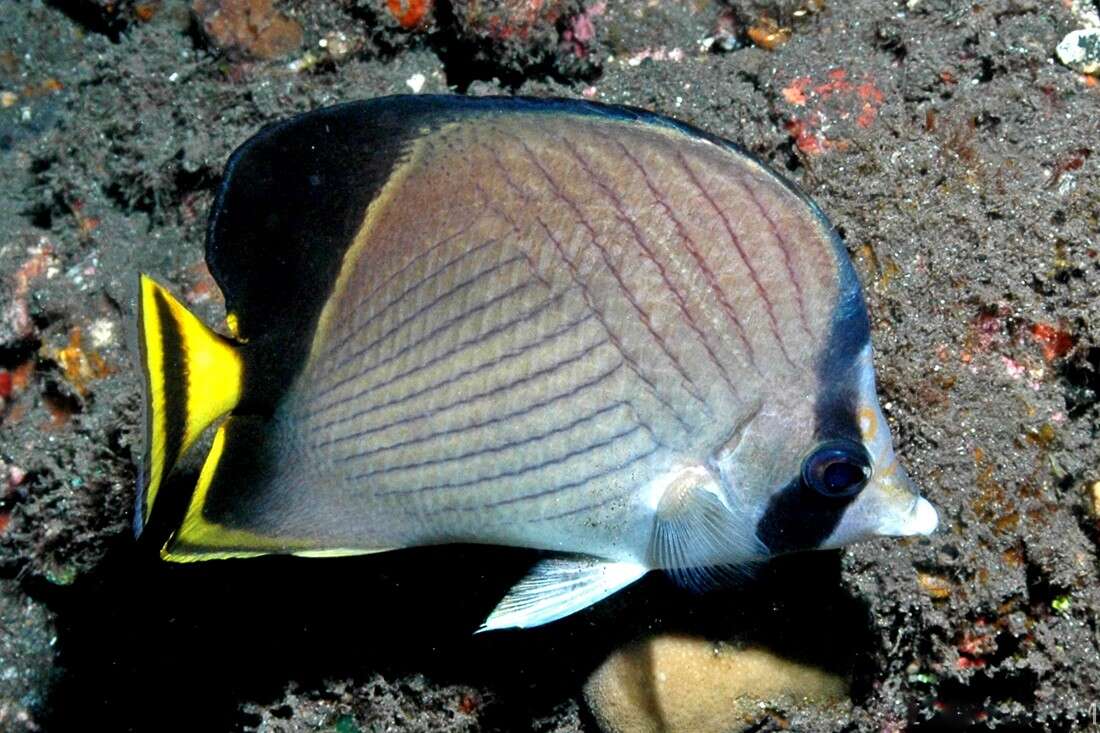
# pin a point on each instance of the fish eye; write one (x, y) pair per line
(837, 468)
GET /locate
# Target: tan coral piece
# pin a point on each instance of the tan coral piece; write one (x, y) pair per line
(686, 684)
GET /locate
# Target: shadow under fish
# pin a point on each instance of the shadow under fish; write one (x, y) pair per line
(582, 329)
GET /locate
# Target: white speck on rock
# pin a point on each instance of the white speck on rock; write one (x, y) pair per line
(102, 333)
(415, 82)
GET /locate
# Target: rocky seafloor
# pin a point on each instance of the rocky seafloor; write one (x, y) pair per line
(955, 155)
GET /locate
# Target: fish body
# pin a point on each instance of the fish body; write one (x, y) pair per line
(584, 329)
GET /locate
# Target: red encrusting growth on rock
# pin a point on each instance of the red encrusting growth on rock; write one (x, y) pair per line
(804, 137)
(969, 663)
(976, 645)
(1056, 342)
(872, 98)
(410, 14)
(1070, 162)
(795, 94)
(835, 99)
(581, 31)
(837, 83)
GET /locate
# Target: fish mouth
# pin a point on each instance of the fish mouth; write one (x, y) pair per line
(921, 518)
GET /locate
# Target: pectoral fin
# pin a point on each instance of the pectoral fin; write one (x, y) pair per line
(698, 538)
(557, 587)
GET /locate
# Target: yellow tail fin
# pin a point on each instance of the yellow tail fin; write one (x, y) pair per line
(193, 376)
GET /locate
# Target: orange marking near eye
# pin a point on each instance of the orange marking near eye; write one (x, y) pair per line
(868, 422)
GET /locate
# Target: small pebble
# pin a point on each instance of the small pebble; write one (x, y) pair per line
(337, 45)
(934, 586)
(1080, 51)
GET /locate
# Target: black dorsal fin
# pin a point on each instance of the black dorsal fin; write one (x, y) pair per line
(290, 203)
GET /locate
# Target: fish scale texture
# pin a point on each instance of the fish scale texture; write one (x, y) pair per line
(540, 312)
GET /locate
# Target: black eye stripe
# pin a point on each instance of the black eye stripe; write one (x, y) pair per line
(801, 516)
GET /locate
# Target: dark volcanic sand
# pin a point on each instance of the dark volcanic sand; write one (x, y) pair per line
(954, 154)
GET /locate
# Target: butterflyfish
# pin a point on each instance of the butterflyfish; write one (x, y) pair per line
(584, 329)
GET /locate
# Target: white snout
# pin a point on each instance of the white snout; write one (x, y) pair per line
(922, 519)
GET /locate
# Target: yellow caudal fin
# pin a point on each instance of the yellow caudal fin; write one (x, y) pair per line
(192, 375)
